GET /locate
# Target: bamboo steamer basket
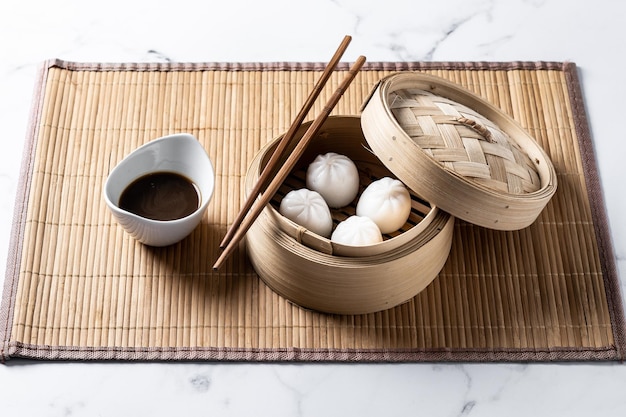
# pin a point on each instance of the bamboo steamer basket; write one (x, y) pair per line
(316, 273)
(479, 164)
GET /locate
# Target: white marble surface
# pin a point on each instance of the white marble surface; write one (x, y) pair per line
(591, 34)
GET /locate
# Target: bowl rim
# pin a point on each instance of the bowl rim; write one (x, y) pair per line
(188, 138)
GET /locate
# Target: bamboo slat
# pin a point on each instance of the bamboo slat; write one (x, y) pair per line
(79, 288)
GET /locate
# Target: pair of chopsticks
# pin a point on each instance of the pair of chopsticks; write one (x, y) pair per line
(267, 186)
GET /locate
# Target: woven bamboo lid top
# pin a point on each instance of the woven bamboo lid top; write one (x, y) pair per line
(458, 151)
(464, 141)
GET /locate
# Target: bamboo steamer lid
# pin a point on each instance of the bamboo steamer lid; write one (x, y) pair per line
(319, 274)
(458, 151)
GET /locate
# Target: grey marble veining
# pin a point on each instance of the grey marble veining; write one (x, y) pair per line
(588, 33)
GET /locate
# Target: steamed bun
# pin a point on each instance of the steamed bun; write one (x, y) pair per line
(335, 177)
(308, 209)
(357, 231)
(387, 202)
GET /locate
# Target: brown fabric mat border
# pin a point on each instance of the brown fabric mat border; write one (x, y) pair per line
(303, 66)
(11, 279)
(598, 209)
(611, 277)
(73, 353)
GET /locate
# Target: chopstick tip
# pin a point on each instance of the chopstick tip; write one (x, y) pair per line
(217, 265)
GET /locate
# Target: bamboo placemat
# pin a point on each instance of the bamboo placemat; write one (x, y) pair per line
(78, 288)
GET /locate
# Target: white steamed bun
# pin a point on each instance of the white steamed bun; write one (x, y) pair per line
(308, 209)
(357, 231)
(335, 177)
(387, 202)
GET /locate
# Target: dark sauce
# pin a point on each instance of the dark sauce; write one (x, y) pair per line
(161, 196)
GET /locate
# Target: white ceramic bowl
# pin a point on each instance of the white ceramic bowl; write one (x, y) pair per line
(178, 153)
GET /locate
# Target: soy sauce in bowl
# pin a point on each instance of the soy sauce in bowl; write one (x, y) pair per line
(161, 196)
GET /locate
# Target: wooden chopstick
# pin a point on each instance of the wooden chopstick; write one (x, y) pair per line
(285, 141)
(291, 161)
